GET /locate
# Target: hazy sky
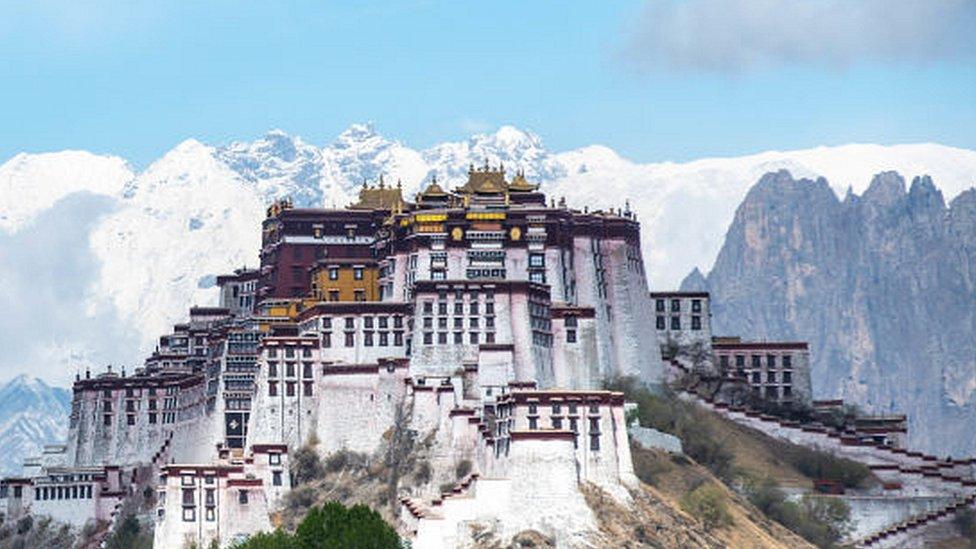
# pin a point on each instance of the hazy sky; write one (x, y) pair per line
(654, 80)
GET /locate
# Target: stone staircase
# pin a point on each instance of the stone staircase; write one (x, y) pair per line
(898, 533)
(439, 519)
(881, 459)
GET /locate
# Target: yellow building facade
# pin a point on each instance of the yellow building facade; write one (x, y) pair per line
(345, 280)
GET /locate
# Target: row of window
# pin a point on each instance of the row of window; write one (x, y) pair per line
(130, 419)
(771, 377)
(473, 322)
(771, 391)
(289, 352)
(557, 408)
(46, 493)
(290, 388)
(349, 323)
(475, 274)
(474, 308)
(290, 369)
(659, 305)
(474, 338)
(357, 273)
(383, 339)
(756, 361)
(696, 323)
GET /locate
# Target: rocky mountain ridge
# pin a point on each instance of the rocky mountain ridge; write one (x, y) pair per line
(882, 285)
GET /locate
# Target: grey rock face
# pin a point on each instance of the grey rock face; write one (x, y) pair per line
(882, 285)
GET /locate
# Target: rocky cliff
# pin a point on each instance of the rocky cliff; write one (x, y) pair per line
(882, 285)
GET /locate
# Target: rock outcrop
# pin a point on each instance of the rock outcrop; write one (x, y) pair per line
(882, 285)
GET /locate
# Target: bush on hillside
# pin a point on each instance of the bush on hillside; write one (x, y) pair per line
(130, 534)
(306, 466)
(345, 459)
(707, 503)
(821, 465)
(649, 466)
(666, 412)
(822, 521)
(332, 525)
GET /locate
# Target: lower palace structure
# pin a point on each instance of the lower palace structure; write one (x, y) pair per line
(485, 320)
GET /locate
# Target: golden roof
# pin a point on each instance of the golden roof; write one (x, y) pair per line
(433, 190)
(485, 180)
(379, 197)
(520, 184)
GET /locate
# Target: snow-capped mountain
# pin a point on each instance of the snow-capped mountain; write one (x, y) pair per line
(194, 213)
(32, 414)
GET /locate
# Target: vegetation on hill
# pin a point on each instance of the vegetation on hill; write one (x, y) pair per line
(28, 532)
(750, 463)
(332, 525)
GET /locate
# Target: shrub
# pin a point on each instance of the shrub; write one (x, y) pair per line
(344, 459)
(334, 526)
(648, 466)
(129, 534)
(24, 525)
(274, 540)
(821, 465)
(707, 503)
(422, 473)
(462, 469)
(306, 466)
(821, 521)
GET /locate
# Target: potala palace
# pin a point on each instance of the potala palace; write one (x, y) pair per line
(485, 320)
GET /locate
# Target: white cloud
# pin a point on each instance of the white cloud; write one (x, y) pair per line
(49, 327)
(732, 35)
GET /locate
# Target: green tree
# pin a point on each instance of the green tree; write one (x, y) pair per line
(332, 526)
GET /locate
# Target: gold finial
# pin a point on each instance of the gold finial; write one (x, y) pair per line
(382, 185)
(399, 184)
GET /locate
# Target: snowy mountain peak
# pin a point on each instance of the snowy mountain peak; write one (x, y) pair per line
(187, 147)
(32, 414)
(23, 382)
(357, 134)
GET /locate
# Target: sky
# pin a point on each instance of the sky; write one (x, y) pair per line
(654, 80)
